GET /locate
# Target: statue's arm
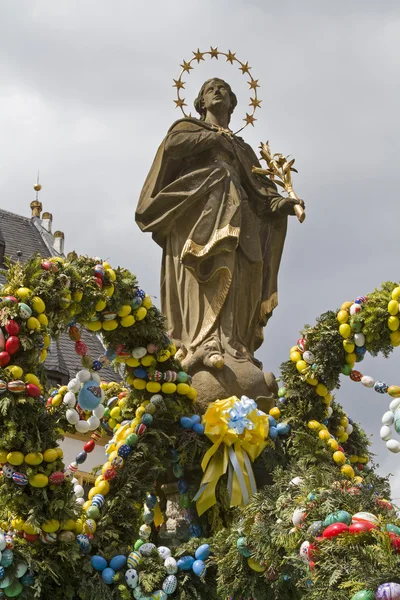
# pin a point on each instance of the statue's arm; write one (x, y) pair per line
(186, 139)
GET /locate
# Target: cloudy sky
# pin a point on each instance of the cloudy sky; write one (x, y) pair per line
(86, 96)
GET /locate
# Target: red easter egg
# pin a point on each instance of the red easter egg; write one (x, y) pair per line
(334, 530)
(33, 390)
(56, 478)
(13, 344)
(30, 537)
(4, 359)
(99, 281)
(395, 541)
(12, 327)
(361, 526)
(11, 299)
(340, 448)
(81, 348)
(109, 474)
(89, 446)
(46, 265)
(301, 344)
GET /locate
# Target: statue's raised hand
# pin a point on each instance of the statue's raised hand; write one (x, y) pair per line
(287, 205)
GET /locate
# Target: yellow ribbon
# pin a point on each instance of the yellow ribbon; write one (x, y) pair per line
(215, 462)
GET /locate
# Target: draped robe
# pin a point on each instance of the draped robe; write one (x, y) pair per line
(222, 237)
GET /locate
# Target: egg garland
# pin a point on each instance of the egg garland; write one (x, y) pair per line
(84, 393)
(15, 575)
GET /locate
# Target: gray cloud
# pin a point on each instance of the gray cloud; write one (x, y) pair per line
(86, 96)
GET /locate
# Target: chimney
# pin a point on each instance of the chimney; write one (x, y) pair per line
(58, 243)
(36, 207)
(47, 219)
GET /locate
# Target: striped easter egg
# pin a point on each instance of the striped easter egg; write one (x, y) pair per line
(19, 478)
(134, 559)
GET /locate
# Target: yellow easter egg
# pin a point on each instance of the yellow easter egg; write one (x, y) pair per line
(301, 366)
(68, 525)
(78, 526)
(112, 455)
(168, 388)
(139, 384)
(345, 330)
(163, 355)
(395, 338)
(43, 355)
(23, 293)
(321, 389)
(17, 524)
(33, 323)
(106, 265)
(108, 290)
(15, 371)
(333, 445)
(60, 452)
(140, 313)
(86, 505)
(51, 525)
(38, 305)
(128, 321)
(147, 302)
(339, 457)
(110, 325)
(28, 528)
(351, 358)
(90, 526)
(342, 316)
(363, 459)
(148, 360)
(295, 356)
(133, 362)
(312, 381)
(34, 458)
(192, 395)
(111, 423)
(31, 378)
(115, 412)
(104, 487)
(111, 274)
(393, 323)
(314, 425)
(348, 471)
(346, 305)
(327, 399)
(393, 307)
(94, 325)
(153, 387)
(324, 435)
(92, 492)
(3, 456)
(344, 421)
(173, 349)
(353, 459)
(183, 389)
(275, 412)
(100, 305)
(349, 346)
(43, 320)
(77, 295)
(107, 465)
(343, 437)
(46, 341)
(124, 311)
(396, 293)
(39, 480)
(50, 455)
(15, 458)
(358, 479)
(57, 400)
(255, 566)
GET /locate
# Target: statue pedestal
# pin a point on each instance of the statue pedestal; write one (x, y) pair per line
(175, 530)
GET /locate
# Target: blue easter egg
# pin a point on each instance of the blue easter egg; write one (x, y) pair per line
(315, 528)
(7, 558)
(381, 387)
(203, 552)
(27, 579)
(98, 562)
(124, 451)
(186, 423)
(118, 562)
(282, 400)
(185, 563)
(242, 547)
(108, 575)
(83, 542)
(140, 373)
(136, 302)
(150, 501)
(196, 418)
(90, 395)
(96, 365)
(147, 419)
(283, 428)
(199, 568)
(198, 428)
(183, 486)
(273, 433)
(81, 457)
(2, 571)
(195, 530)
(98, 500)
(272, 421)
(177, 470)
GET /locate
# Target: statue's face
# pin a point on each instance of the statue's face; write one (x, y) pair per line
(216, 96)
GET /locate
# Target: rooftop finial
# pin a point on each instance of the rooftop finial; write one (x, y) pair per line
(36, 206)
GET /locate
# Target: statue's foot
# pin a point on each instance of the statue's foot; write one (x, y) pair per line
(214, 361)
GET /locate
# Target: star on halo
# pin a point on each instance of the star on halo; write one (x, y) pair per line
(198, 55)
(214, 52)
(249, 119)
(186, 66)
(180, 102)
(253, 83)
(245, 68)
(230, 57)
(255, 102)
(179, 84)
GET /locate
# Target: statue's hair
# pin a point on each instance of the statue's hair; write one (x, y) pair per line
(199, 102)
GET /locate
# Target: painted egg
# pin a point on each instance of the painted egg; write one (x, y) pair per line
(340, 516)
(309, 357)
(98, 562)
(170, 565)
(397, 420)
(16, 387)
(283, 429)
(5, 582)
(361, 526)
(394, 404)
(118, 562)
(7, 558)
(203, 552)
(9, 541)
(157, 595)
(90, 395)
(364, 595)
(301, 344)
(144, 531)
(186, 422)
(170, 584)
(21, 568)
(355, 309)
(83, 542)
(98, 500)
(147, 549)
(393, 529)
(242, 547)
(3, 386)
(368, 381)
(365, 516)
(134, 559)
(19, 478)
(56, 478)
(185, 563)
(394, 391)
(99, 271)
(13, 344)
(131, 578)
(139, 352)
(24, 310)
(124, 451)
(66, 537)
(381, 387)
(138, 593)
(39, 480)
(109, 316)
(255, 566)
(359, 339)
(170, 376)
(304, 550)
(8, 470)
(48, 538)
(108, 575)
(33, 390)
(198, 428)
(334, 530)
(298, 516)
(388, 591)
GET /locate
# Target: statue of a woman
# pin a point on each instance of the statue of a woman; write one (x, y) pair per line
(222, 229)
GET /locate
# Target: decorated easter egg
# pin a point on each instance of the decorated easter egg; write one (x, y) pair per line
(16, 387)
(3, 386)
(131, 578)
(368, 381)
(157, 595)
(19, 478)
(365, 516)
(66, 537)
(124, 451)
(393, 529)
(83, 542)
(388, 591)
(7, 558)
(147, 549)
(394, 391)
(134, 559)
(308, 357)
(13, 344)
(8, 470)
(144, 531)
(90, 395)
(48, 538)
(202, 552)
(364, 595)
(298, 516)
(381, 387)
(56, 478)
(24, 310)
(98, 500)
(169, 584)
(108, 575)
(304, 550)
(185, 563)
(315, 528)
(164, 552)
(170, 565)
(118, 562)
(334, 530)
(340, 516)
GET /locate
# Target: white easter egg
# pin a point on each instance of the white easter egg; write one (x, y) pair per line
(388, 418)
(74, 385)
(72, 416)
(359, 339)
(355, 309)
(99, 411)
(329, 411)
(393, 446)
(131, 578)
(139, 352)
(96, 377)
(69, 399)
(349, 429)
(304, 549)
(82, 426)
(296, 481)
(164, 552)
(93, 422)
(84, 375)
(394, 404)
(170, 565)
(385, 433)
(308, 357)
(368, 381)
(79, 492)
(298, 516)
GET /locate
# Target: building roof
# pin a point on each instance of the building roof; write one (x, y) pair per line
(22, 237)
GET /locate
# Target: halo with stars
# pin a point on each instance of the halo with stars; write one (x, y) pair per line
(230, 57)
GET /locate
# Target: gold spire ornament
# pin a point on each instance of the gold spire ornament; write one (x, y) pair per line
(279, 171)
(230, 57)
